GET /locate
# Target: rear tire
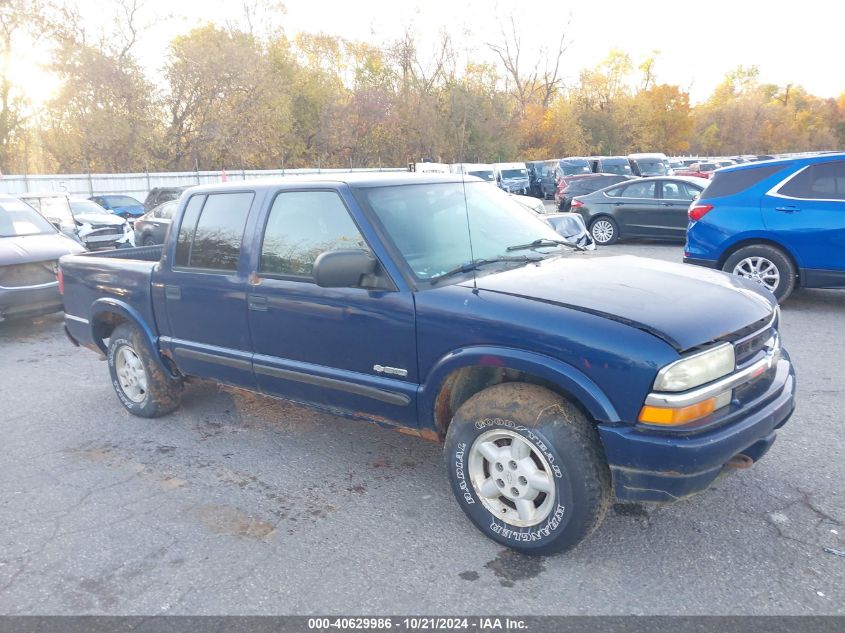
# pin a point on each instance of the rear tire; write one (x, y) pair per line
(767, 265)
(140, 383)
(605, 230)
(527, 468)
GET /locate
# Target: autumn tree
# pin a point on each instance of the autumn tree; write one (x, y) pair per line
(104, 116)
(17, 18)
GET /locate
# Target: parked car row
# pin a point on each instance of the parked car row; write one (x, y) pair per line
(30, 247)
(37, 228)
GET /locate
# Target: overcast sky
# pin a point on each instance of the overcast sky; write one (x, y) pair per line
(699, 40)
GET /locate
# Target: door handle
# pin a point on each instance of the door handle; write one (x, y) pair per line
(172, 292)
(257, 303)
(788, 209)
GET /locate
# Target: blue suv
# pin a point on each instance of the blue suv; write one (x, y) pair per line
(778, 222)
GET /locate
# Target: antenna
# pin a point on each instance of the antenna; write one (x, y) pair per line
(466, 204)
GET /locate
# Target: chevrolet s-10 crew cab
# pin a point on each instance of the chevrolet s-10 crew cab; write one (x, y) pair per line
(556, 379)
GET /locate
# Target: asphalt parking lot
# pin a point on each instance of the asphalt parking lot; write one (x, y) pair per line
(238, 504)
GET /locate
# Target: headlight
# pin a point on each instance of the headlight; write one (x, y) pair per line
(697, 369)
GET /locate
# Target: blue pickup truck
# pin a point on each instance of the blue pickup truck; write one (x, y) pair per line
(434, 304)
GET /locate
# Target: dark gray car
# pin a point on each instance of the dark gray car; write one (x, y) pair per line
(160, 195)
(151, 227)
(29, 251)
(646, 207)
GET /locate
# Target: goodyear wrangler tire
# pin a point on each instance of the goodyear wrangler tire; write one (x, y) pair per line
(141, 385)
(527, 468)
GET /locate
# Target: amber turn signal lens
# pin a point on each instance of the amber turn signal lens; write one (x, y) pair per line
(665, 416)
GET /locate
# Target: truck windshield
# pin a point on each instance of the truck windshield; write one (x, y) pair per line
(621, 167)
(514, 173)
(484, 175)
(652, 167)
(570, 169)
(17, 219)
(431, 224)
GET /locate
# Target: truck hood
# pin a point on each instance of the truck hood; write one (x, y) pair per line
(684, 305)
(36, 248)
(101, 219)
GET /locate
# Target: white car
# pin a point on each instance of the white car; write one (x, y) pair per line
(86, 222)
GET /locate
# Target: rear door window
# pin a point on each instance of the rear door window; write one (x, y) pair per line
(640, 190)
(211, 234)
(824, 181)
(678, 190)
(728, 183)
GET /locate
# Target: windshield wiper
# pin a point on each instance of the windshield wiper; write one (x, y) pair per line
(475, 264)
(545, 242)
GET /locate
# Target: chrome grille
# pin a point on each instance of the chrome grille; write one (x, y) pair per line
(23, 275)
(748, 347)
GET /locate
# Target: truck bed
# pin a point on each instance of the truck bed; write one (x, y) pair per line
(119, 277)
(139, 253)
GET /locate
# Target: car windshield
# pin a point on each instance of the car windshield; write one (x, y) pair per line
(652, 167)
(85, 206)
(514, 173)
(431, 224)
(570, 169)
(484, 175)
(122, 201)
(17, 218)
(55, 208)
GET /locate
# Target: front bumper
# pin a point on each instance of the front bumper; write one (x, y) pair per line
(28, 301)
(654, 466)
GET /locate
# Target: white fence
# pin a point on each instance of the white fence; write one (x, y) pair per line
(138, 185)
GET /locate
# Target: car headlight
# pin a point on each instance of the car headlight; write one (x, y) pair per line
(697, 369)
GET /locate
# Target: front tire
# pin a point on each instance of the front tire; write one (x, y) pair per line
(767, 265)
(142, 387)
(604, 230)
(527, 468)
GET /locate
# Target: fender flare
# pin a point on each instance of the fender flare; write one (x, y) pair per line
(571, 380)
(109, 305)
(741, 240)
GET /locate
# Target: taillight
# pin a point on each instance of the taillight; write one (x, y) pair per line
(61, 279)
(698, 211)
(576, 203)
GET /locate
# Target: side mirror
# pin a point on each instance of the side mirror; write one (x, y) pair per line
(346, 268)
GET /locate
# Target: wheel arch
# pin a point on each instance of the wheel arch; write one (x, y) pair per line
(108, 313)
(761, 241)
(459, 376)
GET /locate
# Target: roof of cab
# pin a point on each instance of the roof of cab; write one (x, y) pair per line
(355, 180)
